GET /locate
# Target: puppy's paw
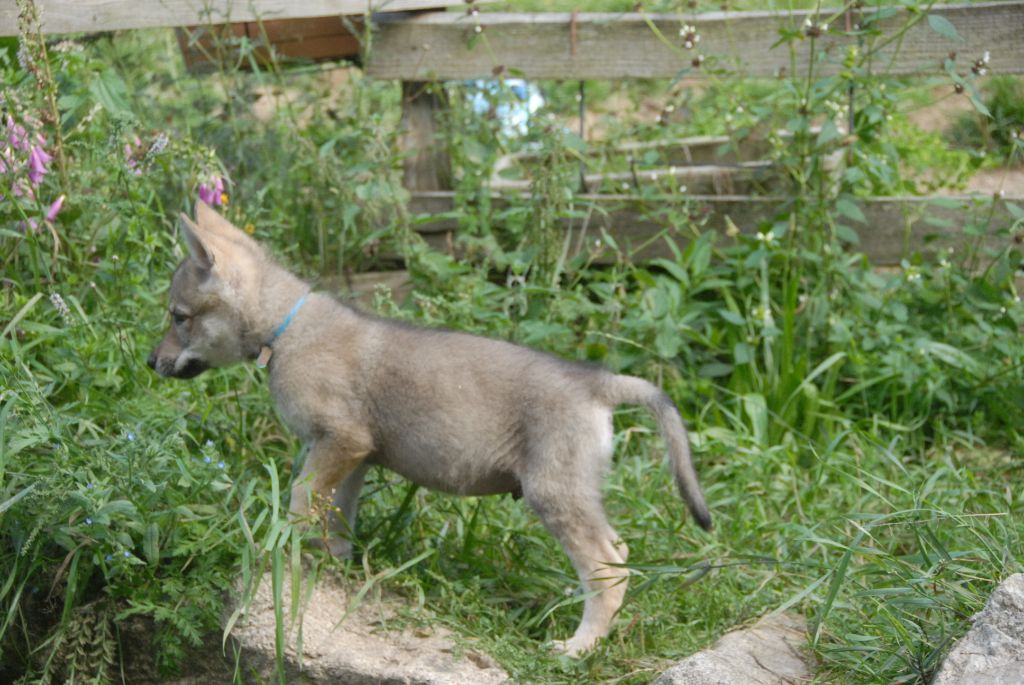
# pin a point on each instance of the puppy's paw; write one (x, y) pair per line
(573, 647)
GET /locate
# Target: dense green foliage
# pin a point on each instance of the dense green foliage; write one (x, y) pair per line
(857, 432)
(999, 129)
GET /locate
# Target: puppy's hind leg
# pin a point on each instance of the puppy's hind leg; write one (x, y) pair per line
(577, 520)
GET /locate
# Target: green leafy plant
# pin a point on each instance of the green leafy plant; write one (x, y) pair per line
(999, 131)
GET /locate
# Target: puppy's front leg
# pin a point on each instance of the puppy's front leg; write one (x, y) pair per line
(342, 521)
(330, 463)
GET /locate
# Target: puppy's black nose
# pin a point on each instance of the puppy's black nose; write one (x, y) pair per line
(152, 360)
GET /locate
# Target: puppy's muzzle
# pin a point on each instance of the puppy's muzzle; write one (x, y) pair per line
(166, 367)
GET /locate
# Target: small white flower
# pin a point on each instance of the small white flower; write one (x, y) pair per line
(60, 305)
(690, 36)
(24, 58)
(158, 146)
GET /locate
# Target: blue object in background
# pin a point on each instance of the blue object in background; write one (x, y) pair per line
(513, 112)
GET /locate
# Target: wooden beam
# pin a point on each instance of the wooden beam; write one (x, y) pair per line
(426, 165)
(310, 39)
(73, 16)
(618, 46)
(894, 227)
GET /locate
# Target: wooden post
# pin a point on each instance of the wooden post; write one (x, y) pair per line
(427, 166)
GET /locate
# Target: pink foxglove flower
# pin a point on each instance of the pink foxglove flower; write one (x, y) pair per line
(54, 208)
(213, 195)
(37, 161)
(17, 136)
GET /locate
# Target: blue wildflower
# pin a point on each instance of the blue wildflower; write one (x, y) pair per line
(131, 436)
(206, 459)
(220, 464)
(88, 521)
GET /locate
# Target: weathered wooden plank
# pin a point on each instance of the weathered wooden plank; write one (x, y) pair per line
(426, 165)
(72, 16)
(705, 179)
(615, 46)
(309, 39)
(894, 228)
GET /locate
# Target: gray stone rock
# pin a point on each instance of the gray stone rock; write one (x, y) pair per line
(767, 653)
(992, 651)
(368, 647)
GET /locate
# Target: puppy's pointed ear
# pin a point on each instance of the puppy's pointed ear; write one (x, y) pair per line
(211, 220)
(205, 214)
(198, 245)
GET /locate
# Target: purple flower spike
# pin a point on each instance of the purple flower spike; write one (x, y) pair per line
(18, 137)
(207, 195)
(54, 209)
(37, 161)
(212, 195)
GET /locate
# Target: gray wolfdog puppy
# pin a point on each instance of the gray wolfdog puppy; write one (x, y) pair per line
(450, 411)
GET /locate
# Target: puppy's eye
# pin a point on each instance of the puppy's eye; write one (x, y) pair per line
(179, 318)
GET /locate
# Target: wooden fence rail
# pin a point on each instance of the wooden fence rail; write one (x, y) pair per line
(892, 227)
(74, 16)
(445, 46)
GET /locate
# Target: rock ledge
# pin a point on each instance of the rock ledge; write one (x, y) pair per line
(767, 653)
(992, 651)
(368, 647)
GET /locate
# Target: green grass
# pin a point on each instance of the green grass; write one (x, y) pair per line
(857, 433)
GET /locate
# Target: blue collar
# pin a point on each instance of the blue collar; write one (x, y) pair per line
(264, 357)
(287, 320)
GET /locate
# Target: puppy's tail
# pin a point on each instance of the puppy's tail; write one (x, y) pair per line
(631, 390)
